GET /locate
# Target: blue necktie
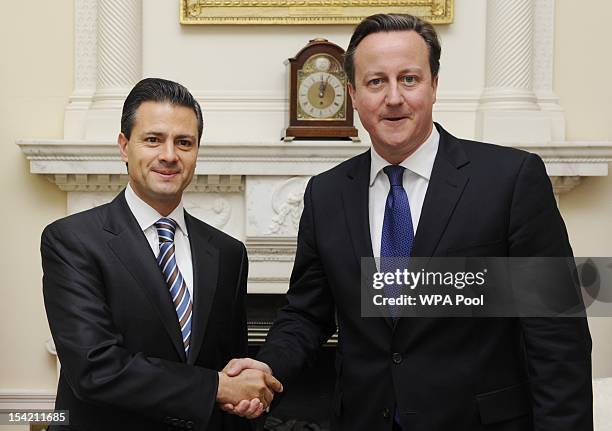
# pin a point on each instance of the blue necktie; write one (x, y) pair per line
(397, 231)
(178, 289)
(397, 236)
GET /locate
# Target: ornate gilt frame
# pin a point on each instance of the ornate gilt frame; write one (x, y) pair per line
(308, 11)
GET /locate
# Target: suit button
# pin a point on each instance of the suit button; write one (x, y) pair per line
(386, 414)
(182, 423)
(397, 358)
(189, 425)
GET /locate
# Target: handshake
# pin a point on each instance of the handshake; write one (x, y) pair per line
(246, 387)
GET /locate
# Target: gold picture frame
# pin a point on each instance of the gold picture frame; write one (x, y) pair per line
(308, 11)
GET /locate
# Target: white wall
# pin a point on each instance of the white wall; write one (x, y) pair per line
(35, 82)
(583, 68)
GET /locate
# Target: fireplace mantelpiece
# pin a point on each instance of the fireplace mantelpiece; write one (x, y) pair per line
(254, 190)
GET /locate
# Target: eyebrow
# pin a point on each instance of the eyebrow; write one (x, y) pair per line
(182, 136)
(413, 69)
(185, 136)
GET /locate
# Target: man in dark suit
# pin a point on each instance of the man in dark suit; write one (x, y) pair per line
(420, 191)
(145, 302)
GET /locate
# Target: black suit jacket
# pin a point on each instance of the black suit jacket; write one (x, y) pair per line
(123, 365)
(445, 373)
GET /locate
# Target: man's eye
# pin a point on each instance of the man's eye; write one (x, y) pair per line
(184, 142)
(410, 79)
(151, 139)
(375, 82)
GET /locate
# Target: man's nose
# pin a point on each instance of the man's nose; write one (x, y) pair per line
(393, 95)
(168, 151)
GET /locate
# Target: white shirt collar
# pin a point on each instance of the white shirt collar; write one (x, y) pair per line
(146, 216)
(420, 162)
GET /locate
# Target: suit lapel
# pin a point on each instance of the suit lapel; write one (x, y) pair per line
(355, 197)
(446, 185)
(205, 258)
(355, 200)
(133, 251)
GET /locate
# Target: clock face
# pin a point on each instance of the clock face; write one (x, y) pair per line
(321, 95)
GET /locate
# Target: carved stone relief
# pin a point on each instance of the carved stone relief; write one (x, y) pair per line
(287, 203)
(274, 206)
(221, 210)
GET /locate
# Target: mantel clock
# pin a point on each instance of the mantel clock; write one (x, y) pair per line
(319, 103)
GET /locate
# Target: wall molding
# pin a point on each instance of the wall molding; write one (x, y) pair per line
(116, 182)
(26, 399)
(99, 164)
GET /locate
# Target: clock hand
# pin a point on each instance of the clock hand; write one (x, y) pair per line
(325, 84)
(321, 88)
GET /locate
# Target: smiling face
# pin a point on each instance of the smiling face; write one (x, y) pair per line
(161, 153)
(394, 92)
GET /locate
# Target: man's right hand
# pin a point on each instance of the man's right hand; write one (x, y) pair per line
(252, 387)
(248, 407)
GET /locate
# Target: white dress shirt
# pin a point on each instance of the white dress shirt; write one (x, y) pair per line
(416, 180)
(146, 217)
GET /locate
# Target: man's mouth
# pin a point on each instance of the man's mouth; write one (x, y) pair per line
(394, 118)
(166, 173)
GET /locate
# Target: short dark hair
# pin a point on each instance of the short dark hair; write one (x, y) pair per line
(393, 22)
(157, 90)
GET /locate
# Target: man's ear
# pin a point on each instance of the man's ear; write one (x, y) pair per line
(351, 91)
(434, 84)
(122, 141)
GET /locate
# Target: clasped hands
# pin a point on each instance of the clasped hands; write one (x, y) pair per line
(246, 387)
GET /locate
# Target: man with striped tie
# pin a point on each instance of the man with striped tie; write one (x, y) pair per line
(145, 302)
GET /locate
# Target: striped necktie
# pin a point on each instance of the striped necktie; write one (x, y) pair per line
(166, 259)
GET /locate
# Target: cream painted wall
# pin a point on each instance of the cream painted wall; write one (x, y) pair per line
(36, 74)
(35, 82)
(583, 68)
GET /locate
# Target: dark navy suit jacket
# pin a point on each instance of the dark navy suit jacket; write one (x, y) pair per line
(459, 374)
